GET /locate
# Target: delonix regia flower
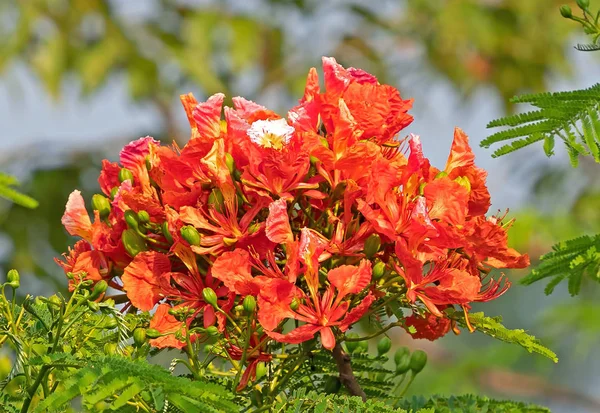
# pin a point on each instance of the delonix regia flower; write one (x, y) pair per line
(295, 212)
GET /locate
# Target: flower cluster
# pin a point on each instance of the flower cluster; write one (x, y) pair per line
(322, 217)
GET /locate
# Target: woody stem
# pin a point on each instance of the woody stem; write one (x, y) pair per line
(347, 377)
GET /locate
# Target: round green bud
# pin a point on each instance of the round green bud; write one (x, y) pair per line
(144, 217)
(165, 230)
(94, 306)
(55, 300)
(125, 175)
(583, 4)
(113, 192)
(378, 270)
(566, 11)
(110, 324)
(133, 243)
(100, 287)
(352, 345)
(153, 333)
(400, 354)
(249, 304)
(372, 245)
(132, 219)
(139, 336)
(110, 348)
(261, 370)
(403, 366)
(210, 297)
(363, 346)
(332, 385)
(212, 331)
(384, 345)
(295, 304)
(13, 279)
(418, 360)
(101, 204)
(190, 234)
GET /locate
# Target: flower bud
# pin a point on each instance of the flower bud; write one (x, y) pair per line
(352, 345)
(144, 217)
(230, 162)
(215, 199)
(464, 181)
(295, 304)
(400, 354)
(261, 370)
(565, 11)
(165, 230)
(125, 175)
(378, 270)
(94, 306)
(55, 300)
(190, 234)
(139, 336)
(110, 324)
(583, 4)
(210, 297)
(133, 243)
(384, 345)
(418, 360)
(99, 289)
(110, 349)
(212, 331)
(363, 346)
(113, 192)
(153, 333)
(372, 245)
(441, 174)
(131, 218)
(101, 204)
(249, 304)
(13, 279)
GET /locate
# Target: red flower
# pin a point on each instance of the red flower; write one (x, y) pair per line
(430, 327)
(142, 279)
(170, 327)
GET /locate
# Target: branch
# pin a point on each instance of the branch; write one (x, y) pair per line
(347, 377)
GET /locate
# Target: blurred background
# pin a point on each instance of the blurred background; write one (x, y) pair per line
(80, 78)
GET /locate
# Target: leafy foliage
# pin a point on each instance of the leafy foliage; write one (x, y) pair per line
(492, 326)
(573, 116)
(468, 404)
(7, 192)
(569, 260)
(313, 402)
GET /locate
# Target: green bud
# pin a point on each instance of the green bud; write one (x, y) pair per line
(215, 199)
(441, 174)
(464, 181)
(384, 345)
(332, 385)
(13, 279)
(110, 324)
(583, 4)
(153, 333)
(94, 306)
(352, 345)
(261, 370)
(144, 217)
(132, 219)
(210, 297)
(99, 288)
(230, 162)
(133, 243)
(139, 336)
(313, 160)
(418, 360)
(212, 331)
(55, 301)
(110, 349)
(101, 204)
(372, 245)
(113, 192)
(566, 12)
(190, 234)
(125, 175)
(378, 270)
(249, 304)
(295, 304)
(363, 346)
(400, 354)
(165, 230)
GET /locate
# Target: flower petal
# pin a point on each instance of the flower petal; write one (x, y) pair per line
(141, 279)
(76, 219)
